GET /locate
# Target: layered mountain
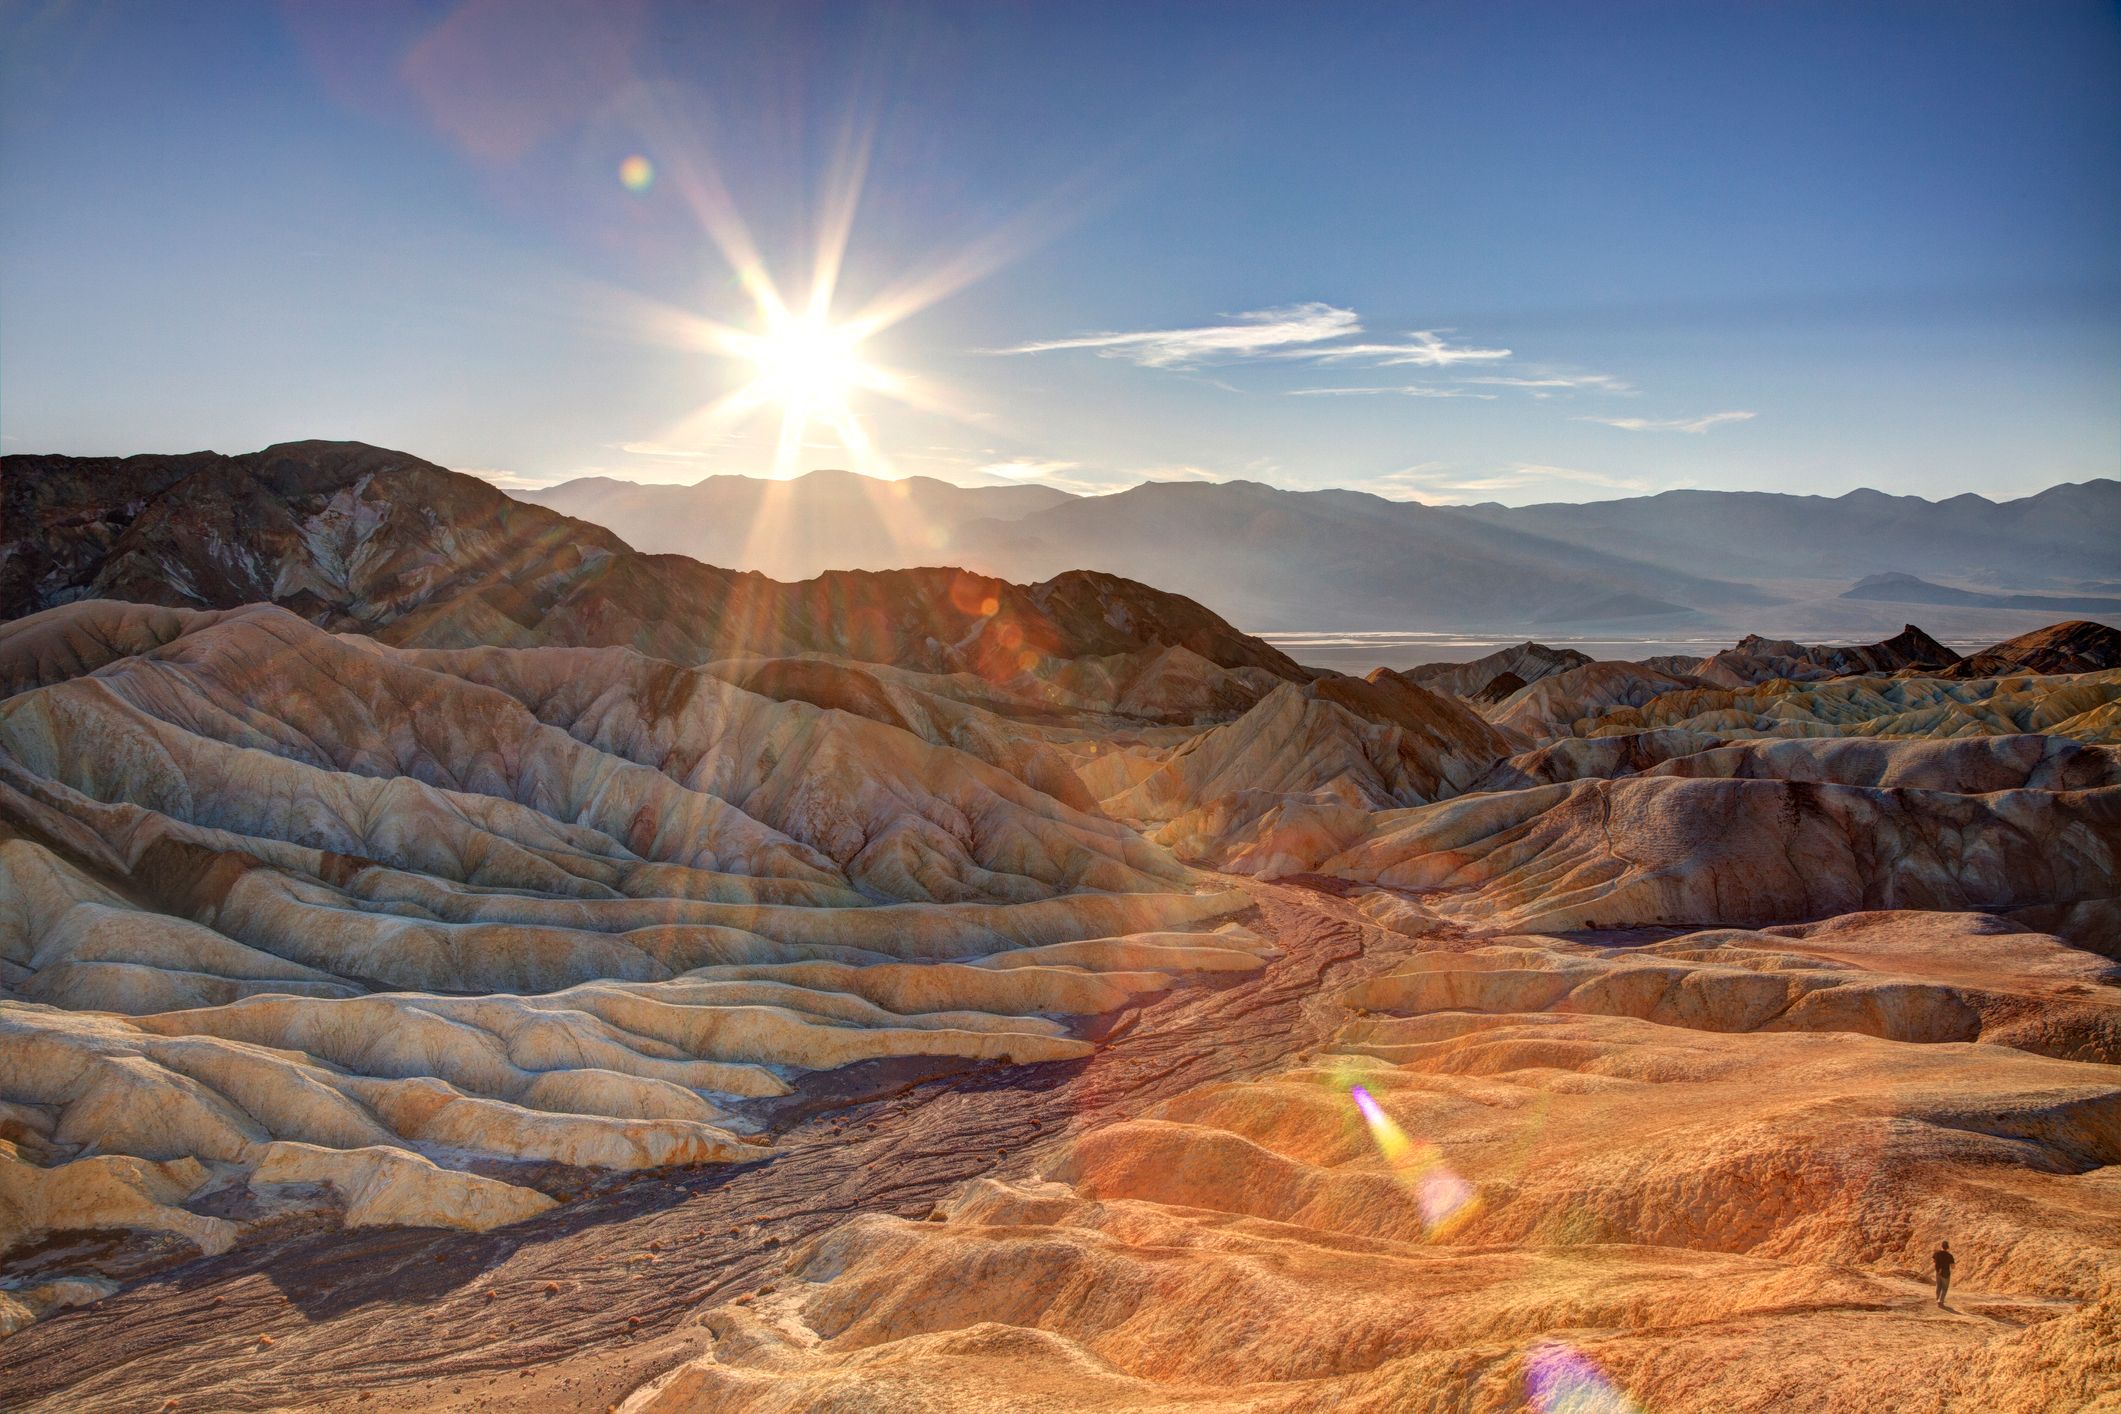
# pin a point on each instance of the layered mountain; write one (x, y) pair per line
(1754, 659)
(449, 959)
(2058, 538)
(1279, 559)
(2079, 646)
(1288, 559)
(359, 539)
(1497, 675)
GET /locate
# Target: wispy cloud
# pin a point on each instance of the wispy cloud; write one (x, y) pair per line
(665, 450)
(1437, 483)
(1246, 335)
(1307, 332)
(1671, 424)
(1072, 477)
(1409, 390)
(1027, 469)
(1558, 382)
(513, 481)
(1427, 349)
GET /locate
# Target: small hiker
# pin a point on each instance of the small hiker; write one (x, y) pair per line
(1942, 1260)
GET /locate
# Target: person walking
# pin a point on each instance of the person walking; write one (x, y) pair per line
(1942, 1259)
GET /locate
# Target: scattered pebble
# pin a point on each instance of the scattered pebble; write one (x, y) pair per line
(552, 1288)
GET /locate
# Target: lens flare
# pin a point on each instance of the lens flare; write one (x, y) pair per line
(1446, 1200)
(1560, 1379)
(637, 173)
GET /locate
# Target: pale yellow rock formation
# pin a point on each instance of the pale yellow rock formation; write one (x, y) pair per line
(1256, 795)
(1649, 850)
(314, 912)
(2082, 706)
(1554, 1212)
(1627, 1046)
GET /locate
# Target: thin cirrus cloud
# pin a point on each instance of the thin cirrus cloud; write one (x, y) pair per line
(1027, 469)
(665, 451)
(1671, 424)
(1248, 335)
(1428, 349)
(1298, 331)
(1558, 382)
(1408, 390)
(508, 480)
(1437, 483)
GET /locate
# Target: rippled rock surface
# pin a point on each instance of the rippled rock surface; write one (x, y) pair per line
(450, 960)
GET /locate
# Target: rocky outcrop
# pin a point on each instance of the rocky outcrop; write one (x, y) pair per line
(1756, 660)
(1326, 753)
(2079, 646)
(1661, 851)
(1555, 705)
(301, 920)
(2083, 706)
(359, 539)
(1526, 662)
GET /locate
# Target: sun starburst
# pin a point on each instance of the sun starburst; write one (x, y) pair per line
(810, 369)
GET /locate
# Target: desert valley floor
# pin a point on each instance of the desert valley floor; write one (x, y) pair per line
(451, 960)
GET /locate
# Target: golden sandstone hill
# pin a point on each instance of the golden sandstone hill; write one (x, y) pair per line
(450, 960)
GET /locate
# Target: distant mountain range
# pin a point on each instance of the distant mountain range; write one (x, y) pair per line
(2057, 539)
(1275, 559)
(1907, 589)
(828, 520)
(297, 524)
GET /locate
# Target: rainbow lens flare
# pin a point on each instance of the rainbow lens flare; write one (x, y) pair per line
(1560, 1379)
(637, 173)
(1446, 1200)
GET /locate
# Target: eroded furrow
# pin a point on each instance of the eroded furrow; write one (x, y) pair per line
(564, 1304)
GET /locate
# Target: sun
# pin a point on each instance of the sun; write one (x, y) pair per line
(806, 365)
(811, 369)
(797, 357)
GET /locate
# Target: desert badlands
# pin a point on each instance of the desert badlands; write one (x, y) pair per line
(451, 960)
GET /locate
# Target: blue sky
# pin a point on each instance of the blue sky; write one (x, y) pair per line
(1461, 252)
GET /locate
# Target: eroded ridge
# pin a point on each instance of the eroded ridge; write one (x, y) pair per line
(566, 1026)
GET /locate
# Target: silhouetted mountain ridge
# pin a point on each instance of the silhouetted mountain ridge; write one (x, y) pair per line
(357, 538)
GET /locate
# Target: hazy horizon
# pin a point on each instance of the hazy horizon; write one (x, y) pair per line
(994, 483)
